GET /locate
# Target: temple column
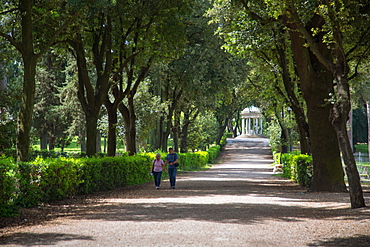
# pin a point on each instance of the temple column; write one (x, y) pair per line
(243, 126)
(261, 126)
(248, 125)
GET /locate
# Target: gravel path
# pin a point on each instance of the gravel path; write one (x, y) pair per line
(236, 203)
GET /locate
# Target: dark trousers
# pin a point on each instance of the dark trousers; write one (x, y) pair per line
(172, 175)
(157, 178)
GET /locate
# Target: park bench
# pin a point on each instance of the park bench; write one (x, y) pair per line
(363, 171)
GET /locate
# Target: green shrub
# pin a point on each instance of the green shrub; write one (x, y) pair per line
(59, 178)
(7, 179)
(7, 187)
(304, 169)
(106, 173)
(137, 169)
(26, 184)
(288, 166)
(29, 193)
(213, 153)
(297, 167)
(223, 141)
(11, 152)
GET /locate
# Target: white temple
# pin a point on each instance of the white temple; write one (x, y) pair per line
(251, 121)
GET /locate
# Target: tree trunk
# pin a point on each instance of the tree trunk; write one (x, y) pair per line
(26, 108)
(317, 84)
(221, 130)
(86, 96)
(43, 140)
(327, 165)
(355, 189)
(112, 137)
(368, 126)
(82, 140)
(52, 140)
(350, 128)
(184, 133)
(113, 120)
(176, 131)
(167, 131)
(28, 92)
(91, 133)
(339, 118)
(298, 111)
(98, 141)
(284, 132)
(91, 96)
(324, 57)
(129, 119)
(158, 134)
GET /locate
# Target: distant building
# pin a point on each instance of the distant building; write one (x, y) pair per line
(251, 121)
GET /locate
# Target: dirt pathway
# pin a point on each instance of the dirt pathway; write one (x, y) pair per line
(236, 203)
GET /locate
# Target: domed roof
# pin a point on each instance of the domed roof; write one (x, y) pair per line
(251, 112)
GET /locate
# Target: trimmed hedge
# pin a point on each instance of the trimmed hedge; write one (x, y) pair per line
(27, 184)
(8, 183)
(296, 166)
(213, 153)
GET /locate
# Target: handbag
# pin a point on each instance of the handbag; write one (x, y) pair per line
(177, 164)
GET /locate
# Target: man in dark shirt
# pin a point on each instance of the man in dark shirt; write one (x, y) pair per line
(171, 159)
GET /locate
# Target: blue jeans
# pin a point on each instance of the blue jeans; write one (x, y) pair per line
(157, 178)
(172, 174)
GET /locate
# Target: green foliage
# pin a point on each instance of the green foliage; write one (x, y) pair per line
(277, 158)
(213, 153)
(7, 187)
(26, 184)
(304, 169)
(273, 131)
(363, 148)
(7, 210)
(193, 161)
(297, 167)
(359, 125)
(223, 141)
(111, 172)
(29, 193)
(10, 152)
(7, 181)
(198, 160)
(7, 134)
(59, 178)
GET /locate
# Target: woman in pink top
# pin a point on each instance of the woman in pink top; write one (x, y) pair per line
(157, 167)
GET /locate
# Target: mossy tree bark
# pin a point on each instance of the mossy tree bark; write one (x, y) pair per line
(317, 86)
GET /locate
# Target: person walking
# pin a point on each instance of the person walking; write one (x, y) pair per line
(157, 167)
(171, 159)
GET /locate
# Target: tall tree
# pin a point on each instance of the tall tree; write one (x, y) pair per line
(192, 83)
(95, 43)
(50, 123)
(315, 82)
(153, 32)
(25, 28)
(333, 59)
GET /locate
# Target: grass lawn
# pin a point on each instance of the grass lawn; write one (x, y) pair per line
(363, 148)
(76, 148)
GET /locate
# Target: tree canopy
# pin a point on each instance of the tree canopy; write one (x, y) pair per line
(153, 71)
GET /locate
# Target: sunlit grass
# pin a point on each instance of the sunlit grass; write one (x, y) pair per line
(75, 147)
(363, 148)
